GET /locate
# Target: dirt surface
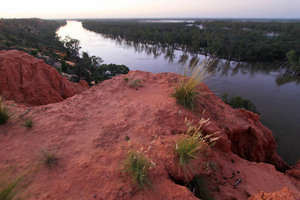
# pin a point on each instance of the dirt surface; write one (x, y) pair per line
(93, 131)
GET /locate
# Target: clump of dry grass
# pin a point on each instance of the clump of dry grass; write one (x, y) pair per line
(185, 91)
(193, 144)
(49, 157)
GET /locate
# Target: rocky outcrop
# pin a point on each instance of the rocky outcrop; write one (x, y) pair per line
(284, 194)
(93, 131)
(28, 80)
(241, 131)
(295, 171)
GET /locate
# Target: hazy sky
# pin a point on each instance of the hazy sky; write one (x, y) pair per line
(150, 8)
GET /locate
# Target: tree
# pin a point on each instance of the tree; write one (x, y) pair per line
(73, 47)
(108, 71)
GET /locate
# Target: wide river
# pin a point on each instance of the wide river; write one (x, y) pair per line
(277, 98)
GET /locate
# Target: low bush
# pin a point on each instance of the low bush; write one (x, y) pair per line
(239, 102)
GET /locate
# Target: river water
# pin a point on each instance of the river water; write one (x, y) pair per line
(276, 97)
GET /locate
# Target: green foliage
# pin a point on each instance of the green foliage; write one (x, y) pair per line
(26, 34)
(239, 102)
(230, 39)
(294, 60)
(73, 46)
(49, 157)
(5, 113)
(28, 122)
(137, 166)
(186, 92)
(10, 188)
(108, 71)
(34, 52)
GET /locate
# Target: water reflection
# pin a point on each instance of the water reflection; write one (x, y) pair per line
(224, 67)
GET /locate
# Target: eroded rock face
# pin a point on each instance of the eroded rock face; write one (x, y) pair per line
(28, 80)
(295, 171)
(284, 194)
(241, 131)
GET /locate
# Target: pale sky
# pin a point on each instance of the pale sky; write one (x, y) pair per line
(150, 9)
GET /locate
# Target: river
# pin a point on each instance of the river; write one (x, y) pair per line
(276, 97)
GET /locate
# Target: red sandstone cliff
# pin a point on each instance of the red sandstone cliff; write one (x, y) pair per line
(91, 131)
(26, 79)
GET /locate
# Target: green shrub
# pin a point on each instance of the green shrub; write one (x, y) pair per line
(239, 102)
(186, 92)
(137, 166)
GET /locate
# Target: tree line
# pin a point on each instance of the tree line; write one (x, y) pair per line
(238, 40)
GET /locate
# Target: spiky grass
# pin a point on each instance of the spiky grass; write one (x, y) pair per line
(49, 157)
(5, 113)
(10, 188)
(137, 166)
(193, 144)
(187, 149)
(28, 123)
(186, 92)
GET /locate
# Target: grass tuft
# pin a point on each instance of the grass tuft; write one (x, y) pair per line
(193, 144)
(137, 165)
(135, 83)
(5, 113)
(9, 189)
(49, 157)
(187, 149)
(186, 92)
(28, 123)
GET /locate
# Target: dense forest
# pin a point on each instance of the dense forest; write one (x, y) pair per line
(230, 39)
(38, 38)
(31, 35)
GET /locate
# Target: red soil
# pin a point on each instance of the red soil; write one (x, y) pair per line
(28, 80)
(89, 131)
(284, 194)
